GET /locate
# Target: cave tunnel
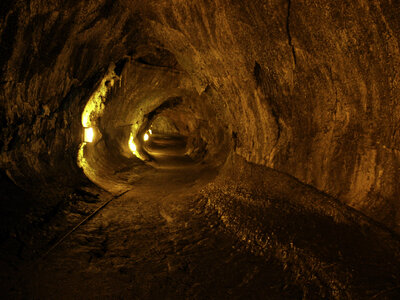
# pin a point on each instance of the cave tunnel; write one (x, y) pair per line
(200, 149)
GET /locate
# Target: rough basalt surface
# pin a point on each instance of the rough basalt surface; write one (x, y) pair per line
(306, 90)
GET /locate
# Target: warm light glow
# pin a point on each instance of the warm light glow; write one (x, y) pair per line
(146, 137)
(82, 163)
(132, 145)
(151, 132)
(89, 134)
(96, 104)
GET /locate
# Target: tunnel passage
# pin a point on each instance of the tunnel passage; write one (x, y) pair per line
(254, 137)
(292, 100)
(149, 95)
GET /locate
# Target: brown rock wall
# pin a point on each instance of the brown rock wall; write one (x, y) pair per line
(308, 88)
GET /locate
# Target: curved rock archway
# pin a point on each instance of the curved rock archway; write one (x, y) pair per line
(200, 149)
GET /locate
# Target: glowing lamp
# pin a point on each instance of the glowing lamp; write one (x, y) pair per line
(88, 134)
(132, 145)
(151, 132)
(146, 137)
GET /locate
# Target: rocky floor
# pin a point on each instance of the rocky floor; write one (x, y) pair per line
(153, 243)
(250, 233)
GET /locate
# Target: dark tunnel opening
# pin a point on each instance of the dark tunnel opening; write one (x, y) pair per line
(199, 150)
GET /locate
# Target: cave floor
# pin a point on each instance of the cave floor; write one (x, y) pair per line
(157, 241)
(183, 233)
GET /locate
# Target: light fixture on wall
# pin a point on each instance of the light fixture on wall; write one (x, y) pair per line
(131, 144)
(88, 134)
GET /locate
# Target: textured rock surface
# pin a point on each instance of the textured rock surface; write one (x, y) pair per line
(153, 245)
(309, 89)
(331, 250)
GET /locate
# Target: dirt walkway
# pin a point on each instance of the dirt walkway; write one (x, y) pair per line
(152, 243)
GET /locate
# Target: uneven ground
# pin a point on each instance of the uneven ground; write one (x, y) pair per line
(174, 236)
(287, 187)
(159, 240)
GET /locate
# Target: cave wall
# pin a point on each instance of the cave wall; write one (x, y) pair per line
(310, 89)
(54, 55)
